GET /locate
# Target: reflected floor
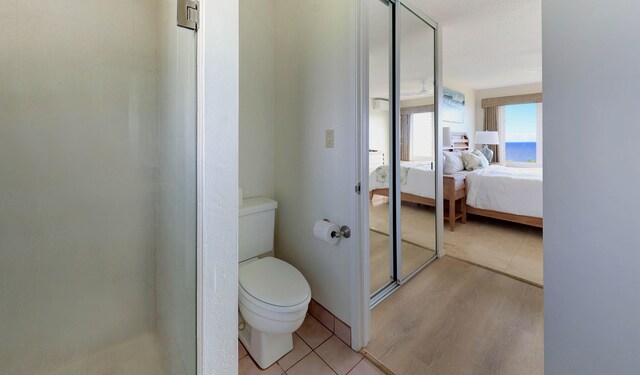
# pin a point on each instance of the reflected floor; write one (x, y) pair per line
(509, 248)
(139, 356)
(413, 256)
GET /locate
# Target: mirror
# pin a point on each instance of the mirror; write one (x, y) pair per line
(417, 142)
(381, 262)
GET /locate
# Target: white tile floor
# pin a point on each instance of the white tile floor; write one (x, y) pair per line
(316, 351)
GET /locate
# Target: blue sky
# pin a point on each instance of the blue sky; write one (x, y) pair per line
(520, 123)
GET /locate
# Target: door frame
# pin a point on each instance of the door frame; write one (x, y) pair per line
(361, 327)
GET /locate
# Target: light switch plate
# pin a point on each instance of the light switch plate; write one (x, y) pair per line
(329, 141)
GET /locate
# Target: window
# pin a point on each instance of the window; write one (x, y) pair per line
(422, 136)
(523, 134)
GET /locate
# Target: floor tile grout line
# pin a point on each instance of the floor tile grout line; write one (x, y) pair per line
(303, 357)
(356, 365)
(318, 354)
(322, 359)
(312, 351)
(305, 341)
(325, 362)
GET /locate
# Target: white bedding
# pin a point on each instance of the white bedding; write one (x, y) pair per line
(506, 189)
(417, 178)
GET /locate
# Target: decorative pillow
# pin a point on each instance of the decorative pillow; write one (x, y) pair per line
(471, 161)
(452, 162)
(483, 159)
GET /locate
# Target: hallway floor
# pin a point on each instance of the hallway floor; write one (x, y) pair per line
(457, 318)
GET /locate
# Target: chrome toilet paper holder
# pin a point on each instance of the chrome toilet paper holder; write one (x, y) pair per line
(345, 231)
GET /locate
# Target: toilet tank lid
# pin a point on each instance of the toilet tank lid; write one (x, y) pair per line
(255, 205)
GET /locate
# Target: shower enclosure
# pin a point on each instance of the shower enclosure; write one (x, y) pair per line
(97, 188)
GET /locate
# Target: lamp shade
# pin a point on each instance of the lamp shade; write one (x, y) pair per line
(446, 137)
(487, 138)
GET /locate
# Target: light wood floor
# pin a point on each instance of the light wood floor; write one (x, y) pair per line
(509, 248)
(456, 318)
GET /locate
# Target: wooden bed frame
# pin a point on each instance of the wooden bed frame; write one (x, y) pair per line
(405, 197)
(464, 209)
(454, 194)
(521, 219)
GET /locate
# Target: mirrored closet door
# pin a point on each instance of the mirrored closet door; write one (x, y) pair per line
(404, 209)
(380, 132)
(416, 164)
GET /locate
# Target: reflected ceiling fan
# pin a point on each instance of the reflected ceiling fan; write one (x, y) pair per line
(422, 91)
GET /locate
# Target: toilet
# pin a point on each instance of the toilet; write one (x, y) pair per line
(273, 296)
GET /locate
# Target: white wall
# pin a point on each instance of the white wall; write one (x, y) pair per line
(315, 88)
(591, 112)
(257, 97)
(77, 144)
(176, 200)
(498, 92)
(218, 108)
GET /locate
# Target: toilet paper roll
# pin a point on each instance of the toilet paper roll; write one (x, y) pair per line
(323, 230)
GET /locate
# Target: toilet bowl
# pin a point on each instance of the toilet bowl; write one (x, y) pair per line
(273, 298)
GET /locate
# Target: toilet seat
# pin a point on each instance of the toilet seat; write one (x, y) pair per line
(273, 285)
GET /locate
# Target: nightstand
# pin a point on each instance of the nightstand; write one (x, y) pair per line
(455, 195)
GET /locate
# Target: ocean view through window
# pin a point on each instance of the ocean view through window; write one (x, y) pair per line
(521, 135)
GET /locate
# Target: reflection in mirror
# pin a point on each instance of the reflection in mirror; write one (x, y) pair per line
(417, 146)
(379, 145)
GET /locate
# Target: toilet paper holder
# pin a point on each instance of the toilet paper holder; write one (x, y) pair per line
(345, 231)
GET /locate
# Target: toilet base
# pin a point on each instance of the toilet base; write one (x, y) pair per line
(265, 348)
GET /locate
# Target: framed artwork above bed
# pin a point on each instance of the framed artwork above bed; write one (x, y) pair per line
(452, 106)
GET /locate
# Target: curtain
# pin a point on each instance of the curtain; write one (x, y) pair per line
(405, 137)
(491, 123)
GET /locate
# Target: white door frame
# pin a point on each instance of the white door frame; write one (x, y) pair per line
(217, 154)
(361, 327)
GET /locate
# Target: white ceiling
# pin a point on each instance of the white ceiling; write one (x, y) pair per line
(486, 44)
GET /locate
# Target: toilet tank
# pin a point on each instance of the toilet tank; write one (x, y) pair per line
(257, 217)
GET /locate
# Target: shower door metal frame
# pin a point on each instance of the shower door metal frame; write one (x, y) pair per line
(200, 188)
(395, 246)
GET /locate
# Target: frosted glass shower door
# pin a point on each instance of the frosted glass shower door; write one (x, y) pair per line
(97, 187)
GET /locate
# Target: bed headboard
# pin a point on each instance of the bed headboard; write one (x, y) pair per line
(376, 159)
(459, 141)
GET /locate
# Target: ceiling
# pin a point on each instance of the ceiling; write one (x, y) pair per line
(486, 44)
